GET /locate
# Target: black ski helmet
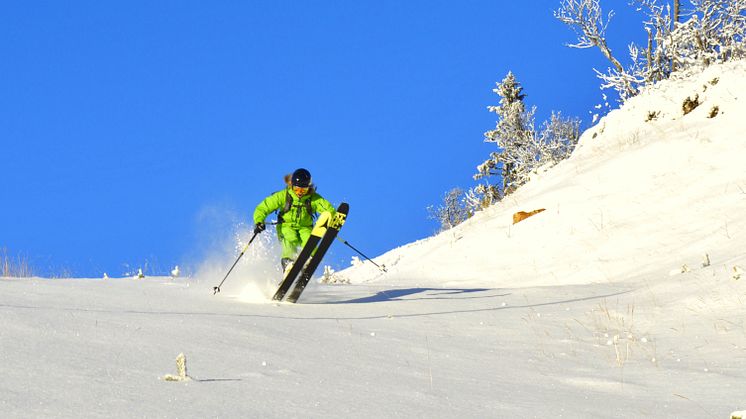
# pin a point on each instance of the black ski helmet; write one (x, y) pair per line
(301, 178)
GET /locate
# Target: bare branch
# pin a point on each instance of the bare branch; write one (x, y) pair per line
(586, 19)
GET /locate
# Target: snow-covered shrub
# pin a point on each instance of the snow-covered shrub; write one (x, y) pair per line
(452, 212)
(330, 276)
(481, 197)
(557, 139)
(181, 370)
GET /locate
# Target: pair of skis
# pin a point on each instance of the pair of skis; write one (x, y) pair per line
(322, 236)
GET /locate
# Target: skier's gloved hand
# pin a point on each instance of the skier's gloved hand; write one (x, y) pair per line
(259, 227)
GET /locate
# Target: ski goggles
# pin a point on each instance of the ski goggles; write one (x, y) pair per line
(300, 190)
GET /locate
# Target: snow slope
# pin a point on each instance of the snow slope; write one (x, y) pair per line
(636, 200)
(599, 306)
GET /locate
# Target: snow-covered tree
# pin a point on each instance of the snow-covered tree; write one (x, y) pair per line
(452, 212)
(481, 197)
(521, 148)
(710, 31)
(558, 138)
(587, 19)
(513, 134)
(714, 33)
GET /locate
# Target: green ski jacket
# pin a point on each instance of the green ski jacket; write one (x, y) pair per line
(293, 211)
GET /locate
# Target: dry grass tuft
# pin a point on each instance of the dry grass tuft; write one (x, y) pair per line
(11, 267)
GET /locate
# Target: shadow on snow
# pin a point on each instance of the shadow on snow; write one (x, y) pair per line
(392, 295)
(427, 294)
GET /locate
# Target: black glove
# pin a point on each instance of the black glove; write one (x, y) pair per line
(259, 227)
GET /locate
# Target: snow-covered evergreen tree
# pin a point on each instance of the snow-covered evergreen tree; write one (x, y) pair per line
(513, 135)
(521, 148)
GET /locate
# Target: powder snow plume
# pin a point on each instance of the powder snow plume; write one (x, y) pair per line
(255, 276)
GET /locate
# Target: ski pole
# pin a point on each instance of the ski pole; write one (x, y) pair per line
(216, 290)
(381, 267)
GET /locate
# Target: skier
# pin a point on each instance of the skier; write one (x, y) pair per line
(297, 205)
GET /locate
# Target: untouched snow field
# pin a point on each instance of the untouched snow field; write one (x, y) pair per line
(625, 298)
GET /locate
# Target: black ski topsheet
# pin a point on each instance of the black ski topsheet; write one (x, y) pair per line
(335, 224)
(316, 235)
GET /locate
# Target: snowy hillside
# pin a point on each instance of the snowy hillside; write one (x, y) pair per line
(625, 298)
(648, 191)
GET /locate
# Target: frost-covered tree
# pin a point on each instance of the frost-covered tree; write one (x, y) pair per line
(588, 21)
(521, 151)
(481, 196)
(452, 212)
(713, 33)
(521, 148)
(558, 138)
(679, 38)
(513, 135)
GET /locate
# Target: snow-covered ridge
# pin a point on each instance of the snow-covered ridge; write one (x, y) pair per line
(649, 190)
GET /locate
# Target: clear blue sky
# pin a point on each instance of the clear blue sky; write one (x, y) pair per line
(123, 123)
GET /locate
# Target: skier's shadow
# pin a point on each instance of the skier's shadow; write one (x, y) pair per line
(426, 294)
